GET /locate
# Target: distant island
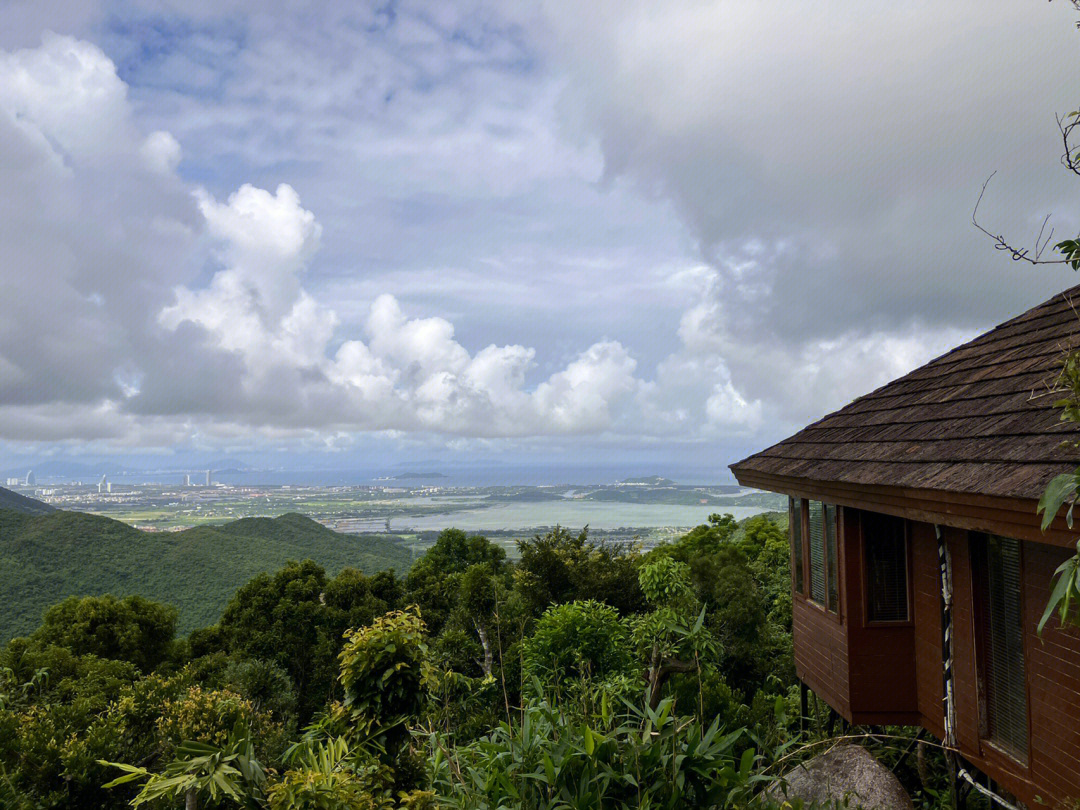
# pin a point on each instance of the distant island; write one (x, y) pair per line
(404, 476)
(650, 480)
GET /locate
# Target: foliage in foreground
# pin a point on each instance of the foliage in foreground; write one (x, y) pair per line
(583, 673)
(550, 757)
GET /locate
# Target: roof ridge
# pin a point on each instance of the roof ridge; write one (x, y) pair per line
(1023, 475)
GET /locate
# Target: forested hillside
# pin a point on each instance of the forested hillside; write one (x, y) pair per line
(45, 558)
(20, 503)
(583, 674)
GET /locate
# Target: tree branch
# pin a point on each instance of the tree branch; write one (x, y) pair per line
(1015, 253)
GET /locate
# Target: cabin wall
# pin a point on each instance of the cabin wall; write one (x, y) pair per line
(1053, 675)
(820, 638)
(881, 656)
(821, 653)
(1052, 667)
(872, 674)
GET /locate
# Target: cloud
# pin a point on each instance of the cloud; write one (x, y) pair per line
(256, 307)
(826, 159)
(410, 374)
(647, 225)
(90, 229)
(140, 340)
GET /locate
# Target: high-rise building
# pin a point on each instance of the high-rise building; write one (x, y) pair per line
(208, 477)
(187, 479)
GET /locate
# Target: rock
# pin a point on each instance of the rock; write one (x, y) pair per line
(848, 775)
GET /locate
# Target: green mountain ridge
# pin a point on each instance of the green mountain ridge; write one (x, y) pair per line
(20, 503)
(45, 558)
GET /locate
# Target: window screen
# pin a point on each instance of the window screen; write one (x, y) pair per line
(1003, 646)
(817, 551)
(885, 548)
(830, 557)
(795, 510)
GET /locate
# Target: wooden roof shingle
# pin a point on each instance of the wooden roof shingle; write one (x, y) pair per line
(971, 421)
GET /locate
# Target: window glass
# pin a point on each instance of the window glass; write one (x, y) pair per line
(1005, 701)
(885, 549)
(817, 551)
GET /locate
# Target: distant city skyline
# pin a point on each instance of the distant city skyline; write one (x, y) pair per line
(658, 235)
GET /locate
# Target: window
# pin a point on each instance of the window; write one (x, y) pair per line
(885, 550)
(795, 520)
(1000, 653)
(817, 552)
(814, 552)
(832, 576)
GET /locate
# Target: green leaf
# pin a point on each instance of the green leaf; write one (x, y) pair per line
(590, 743)
(1066, 579)
(746, 763)
(132, 773)
(1059, 488)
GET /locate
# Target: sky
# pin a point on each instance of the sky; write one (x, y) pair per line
(550, 232)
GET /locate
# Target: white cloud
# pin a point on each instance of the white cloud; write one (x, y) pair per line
(256, 306)
(826, 158)
(463, 255)
(411, 373)
(70, 92)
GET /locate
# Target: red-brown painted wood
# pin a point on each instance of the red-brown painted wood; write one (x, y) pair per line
(893, 674)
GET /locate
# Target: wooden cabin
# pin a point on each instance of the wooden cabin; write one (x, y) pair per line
(928, 481)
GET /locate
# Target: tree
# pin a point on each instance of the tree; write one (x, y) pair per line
(454, 584)
(130, 629)
(672, 637)
(383, 672)
(578, 641)
(282, 619)
(561, 566)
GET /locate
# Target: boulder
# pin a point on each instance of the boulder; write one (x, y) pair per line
(847, 776)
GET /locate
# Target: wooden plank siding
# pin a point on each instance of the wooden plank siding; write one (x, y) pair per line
(893, 674)
(1053, 674)
(821, 653)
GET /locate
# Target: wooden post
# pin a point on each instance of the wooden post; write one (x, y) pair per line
(804, 707)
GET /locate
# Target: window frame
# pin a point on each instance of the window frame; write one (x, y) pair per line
(909, 590)
(804, 594)
(978, 550)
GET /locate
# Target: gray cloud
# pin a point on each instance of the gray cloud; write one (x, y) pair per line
(638, 223)
(827, 159)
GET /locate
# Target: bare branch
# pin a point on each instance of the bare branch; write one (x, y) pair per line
(1070, 159)
(1015, 253)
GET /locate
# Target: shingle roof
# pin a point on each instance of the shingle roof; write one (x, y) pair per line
(969, 421)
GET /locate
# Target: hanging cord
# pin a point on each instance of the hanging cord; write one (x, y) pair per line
(985, 791)
(945, 563)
